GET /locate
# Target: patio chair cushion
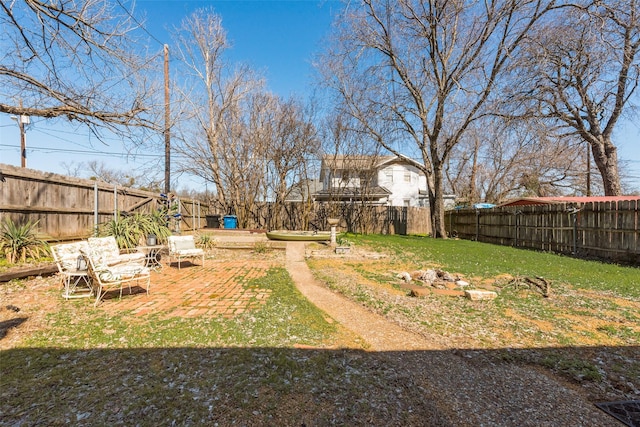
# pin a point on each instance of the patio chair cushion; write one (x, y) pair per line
(105, 251)
(67, 254)
(183, 245)
(120, 272)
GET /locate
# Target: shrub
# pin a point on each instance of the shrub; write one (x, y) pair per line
(206, 241)
(19, 242)
(131, 230)
(260, 247)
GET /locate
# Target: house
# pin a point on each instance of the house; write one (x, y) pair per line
(381, 180)
(303, 191)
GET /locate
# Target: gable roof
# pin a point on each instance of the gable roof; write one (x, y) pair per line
(373, 192)
(362, 162)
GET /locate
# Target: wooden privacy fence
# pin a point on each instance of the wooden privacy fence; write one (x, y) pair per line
(605, 230)
(69, 208)
(354, 217)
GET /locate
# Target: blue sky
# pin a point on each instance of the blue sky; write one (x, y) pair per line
(276, 37)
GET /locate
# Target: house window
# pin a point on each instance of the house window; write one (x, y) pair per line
(407, 202)
(388, 176)
(407, 176)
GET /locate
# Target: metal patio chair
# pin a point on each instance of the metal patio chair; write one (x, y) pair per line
(73, 269)
(184, 247)
(108, 277)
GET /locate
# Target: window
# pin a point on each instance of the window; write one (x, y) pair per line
(407, 176)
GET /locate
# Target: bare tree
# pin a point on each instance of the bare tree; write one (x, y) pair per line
(138, 178)
(250, 144)
(73, 59)
(291, 143)
(496, 161)
(584, 69)
(215, 95)
(416, 73)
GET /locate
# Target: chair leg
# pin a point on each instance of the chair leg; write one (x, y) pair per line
(98, 295)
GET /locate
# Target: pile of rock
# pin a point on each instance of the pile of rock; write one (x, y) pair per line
(425, 282)
(438, 279)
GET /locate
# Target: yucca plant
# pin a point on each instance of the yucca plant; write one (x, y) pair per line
(19, 242)
(131, 230)
(154, 223)
(126, 233)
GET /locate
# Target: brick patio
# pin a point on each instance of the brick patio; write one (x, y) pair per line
(218, 289)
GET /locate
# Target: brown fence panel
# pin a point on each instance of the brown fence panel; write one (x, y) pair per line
(607, 230)
(354, 217)
(69, 208)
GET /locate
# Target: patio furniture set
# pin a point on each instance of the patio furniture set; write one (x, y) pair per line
(96, 265)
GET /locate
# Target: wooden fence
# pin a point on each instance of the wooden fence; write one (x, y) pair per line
(608, 231)
(69, 208)
(354, 217)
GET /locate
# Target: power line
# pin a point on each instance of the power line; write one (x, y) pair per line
(139, 24)
(93, 152)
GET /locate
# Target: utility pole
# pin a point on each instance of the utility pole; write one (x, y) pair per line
(167, 125)
(22, 120)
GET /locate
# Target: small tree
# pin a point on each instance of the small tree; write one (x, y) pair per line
(19, 242)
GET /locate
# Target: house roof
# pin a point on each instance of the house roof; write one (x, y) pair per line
(301, 190)
(362, 162)
(373, 192)
(342, 161)
(568, 199)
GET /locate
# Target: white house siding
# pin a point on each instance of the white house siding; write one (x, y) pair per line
(405, 183)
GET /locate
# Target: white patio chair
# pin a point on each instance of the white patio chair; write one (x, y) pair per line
(107, 277)
(184, 247)
(73, 269)
(104, 250)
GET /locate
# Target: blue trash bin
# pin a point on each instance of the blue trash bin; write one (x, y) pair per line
(230, 221)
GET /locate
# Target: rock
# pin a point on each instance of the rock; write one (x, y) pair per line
(478, 295)
(447, 277)
(404, 276)
(428, 276)
(452, 286)
(419, 292)
(461, 283)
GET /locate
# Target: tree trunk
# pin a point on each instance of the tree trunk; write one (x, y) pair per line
(605, 155)
(436, 203)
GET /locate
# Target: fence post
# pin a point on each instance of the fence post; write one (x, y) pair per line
(573, 212)
(515, 229)
(115, 201)
(95, 207)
